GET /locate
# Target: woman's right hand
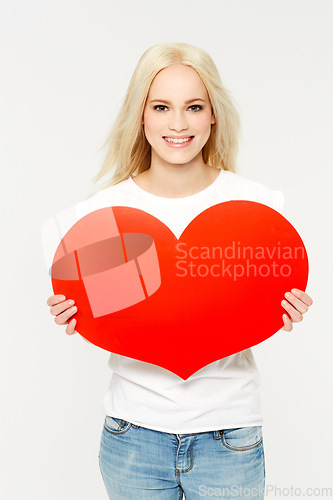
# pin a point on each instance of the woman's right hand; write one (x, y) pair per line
(63, 310)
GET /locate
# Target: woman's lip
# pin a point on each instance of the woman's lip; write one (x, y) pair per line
(178, 145)
(177, 136)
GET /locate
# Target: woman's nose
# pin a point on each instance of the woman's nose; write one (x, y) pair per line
(178, 121)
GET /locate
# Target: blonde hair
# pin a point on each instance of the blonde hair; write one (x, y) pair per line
(128, 151)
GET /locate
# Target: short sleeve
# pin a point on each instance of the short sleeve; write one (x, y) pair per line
(53, 230)
(279, 201)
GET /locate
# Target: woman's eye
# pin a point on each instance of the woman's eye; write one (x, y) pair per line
(159, 106)
(196, 106)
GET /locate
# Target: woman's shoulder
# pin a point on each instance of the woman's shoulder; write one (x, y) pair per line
(106, 196)
(105, 192)
(240, 187)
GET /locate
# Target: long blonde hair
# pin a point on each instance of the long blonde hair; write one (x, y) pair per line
(128, 151)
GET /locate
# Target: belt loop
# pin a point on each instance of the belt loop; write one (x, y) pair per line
(217, 434)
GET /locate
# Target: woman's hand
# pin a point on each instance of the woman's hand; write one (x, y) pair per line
(63, 309)
(296, 305)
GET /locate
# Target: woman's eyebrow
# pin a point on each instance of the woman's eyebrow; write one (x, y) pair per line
(186, 102)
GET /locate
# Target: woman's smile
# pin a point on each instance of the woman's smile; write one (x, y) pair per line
(174, 141)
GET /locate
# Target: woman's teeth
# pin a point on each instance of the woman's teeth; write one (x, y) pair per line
(178, 141)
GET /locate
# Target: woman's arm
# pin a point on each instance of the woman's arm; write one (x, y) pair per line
(297, 303)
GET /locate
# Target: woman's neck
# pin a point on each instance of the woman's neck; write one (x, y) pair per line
(176, 181)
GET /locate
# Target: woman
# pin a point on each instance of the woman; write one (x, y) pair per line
(163, 436)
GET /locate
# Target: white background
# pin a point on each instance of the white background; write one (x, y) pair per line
(65, 66)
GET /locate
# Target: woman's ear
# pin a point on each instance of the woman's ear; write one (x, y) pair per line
(213, 120)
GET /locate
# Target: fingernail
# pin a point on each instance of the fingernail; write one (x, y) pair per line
(70, 302)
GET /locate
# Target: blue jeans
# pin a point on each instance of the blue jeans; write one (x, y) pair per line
(141, 464)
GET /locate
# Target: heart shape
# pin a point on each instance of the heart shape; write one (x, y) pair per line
(181, 303)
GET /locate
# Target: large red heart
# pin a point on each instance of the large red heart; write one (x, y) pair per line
(180, 303)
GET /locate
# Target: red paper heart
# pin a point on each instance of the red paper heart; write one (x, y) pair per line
(175, 311)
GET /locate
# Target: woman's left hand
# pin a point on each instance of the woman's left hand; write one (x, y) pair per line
(296, 304)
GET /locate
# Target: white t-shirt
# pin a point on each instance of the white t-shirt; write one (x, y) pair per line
(223, 394)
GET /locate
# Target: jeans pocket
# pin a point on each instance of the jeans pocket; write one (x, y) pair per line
(242, 438)
(115, 425)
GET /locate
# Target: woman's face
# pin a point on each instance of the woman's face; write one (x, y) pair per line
(177, 106)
